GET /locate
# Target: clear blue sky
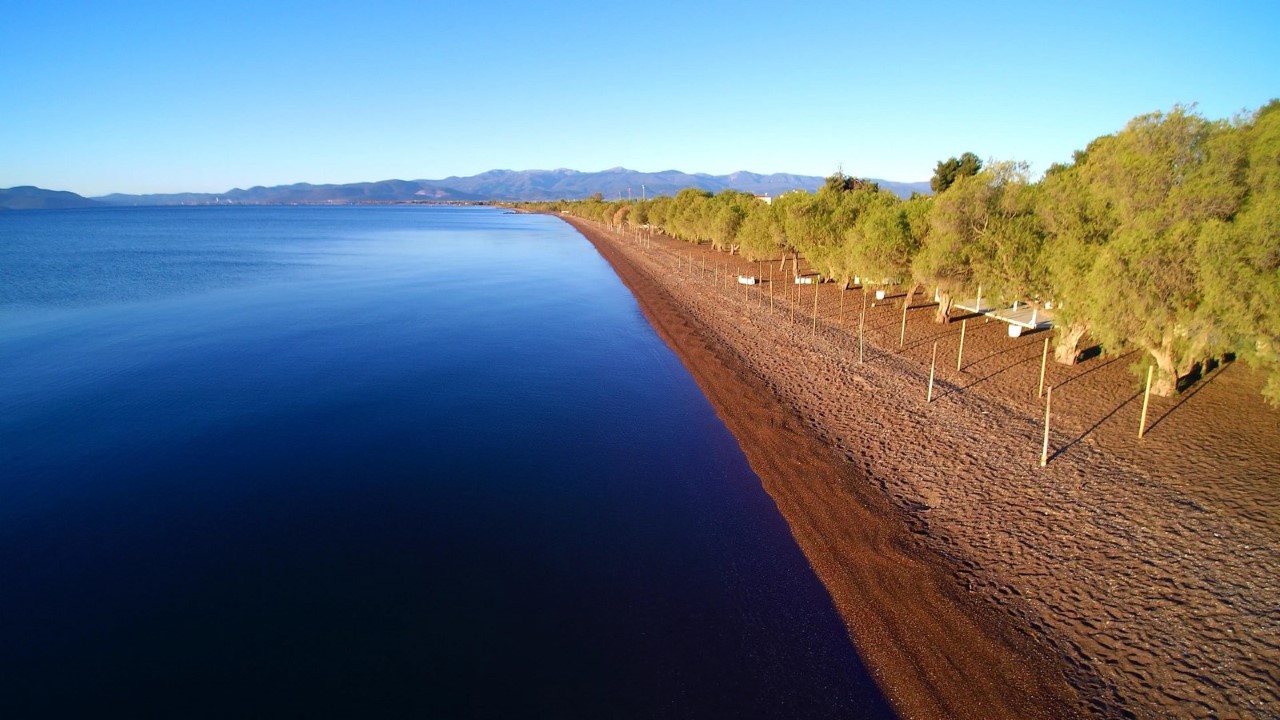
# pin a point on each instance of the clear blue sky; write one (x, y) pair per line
(100, 97)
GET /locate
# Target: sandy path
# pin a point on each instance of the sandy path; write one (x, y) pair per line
(1126, 578)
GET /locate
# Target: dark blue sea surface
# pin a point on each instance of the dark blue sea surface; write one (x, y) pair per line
(375, 462)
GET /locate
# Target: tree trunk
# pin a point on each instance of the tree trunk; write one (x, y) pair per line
(1165, 383)
(1193, 356)
(943, 313)
(1067, 351)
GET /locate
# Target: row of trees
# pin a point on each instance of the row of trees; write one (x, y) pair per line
(1164, 236)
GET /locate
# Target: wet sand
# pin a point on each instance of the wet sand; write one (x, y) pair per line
(1126, 578)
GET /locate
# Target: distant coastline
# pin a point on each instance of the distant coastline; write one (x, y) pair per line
(491, 186)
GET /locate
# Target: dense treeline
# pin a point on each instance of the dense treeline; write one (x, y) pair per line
(1163, 237)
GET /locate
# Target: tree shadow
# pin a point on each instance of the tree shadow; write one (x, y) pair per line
(1203, 370)
(1199, 384)
(998, 353)
(1213, 375)
(1096, 368)
(1096, 425)
(926, 340)
(984, 378)
(892, 324)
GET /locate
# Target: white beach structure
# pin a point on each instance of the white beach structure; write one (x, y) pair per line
(1023, 316)
(1020, 317)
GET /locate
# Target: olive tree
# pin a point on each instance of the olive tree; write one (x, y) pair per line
(1167, 178)
(1239, 262)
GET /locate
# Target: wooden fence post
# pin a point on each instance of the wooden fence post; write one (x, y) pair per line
(795, 271)
(932, 364)
(1044, 358)
(814, 334)
(1044, 449)
(1146, 398)
(862, 321)
(770, 289)
(902, 336)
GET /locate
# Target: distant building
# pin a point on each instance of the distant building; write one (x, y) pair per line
(765, 199)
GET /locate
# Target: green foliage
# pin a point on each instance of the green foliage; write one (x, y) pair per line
(821, 226)
(639, 214)
(969, 228)
(730, 209)
(983, 232)
(760, 236)
(839, 182)
(1167, 180)
(881, 244)
(1076, 225)
(1005, 256)
(1239, 262)
(950, 170)
(943, 258)
(806, 221)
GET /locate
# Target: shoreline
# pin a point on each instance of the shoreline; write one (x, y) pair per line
(932, 652)
(1126, 578)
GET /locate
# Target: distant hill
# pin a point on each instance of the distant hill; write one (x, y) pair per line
(27, 197)
(617, 182)
(512, 185)
(303, 194)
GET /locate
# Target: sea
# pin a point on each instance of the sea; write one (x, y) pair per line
(392, 461)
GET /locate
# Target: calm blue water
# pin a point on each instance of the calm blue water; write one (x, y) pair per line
(375, 462)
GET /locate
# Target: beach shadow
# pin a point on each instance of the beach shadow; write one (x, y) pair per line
(984, 378)
(1096, 425)
(927, 340)
(998, 353)
(1199, 384)
(1098, 367)
(883, 327)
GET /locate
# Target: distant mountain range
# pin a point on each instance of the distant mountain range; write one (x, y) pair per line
(27, 197)
(503, 185)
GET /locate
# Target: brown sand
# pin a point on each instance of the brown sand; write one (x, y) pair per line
(1126, 578)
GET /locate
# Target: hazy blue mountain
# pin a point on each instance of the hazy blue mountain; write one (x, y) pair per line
(615, 183)
(303, 194)
(508, 185)
(27, 197)
(621, 182)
